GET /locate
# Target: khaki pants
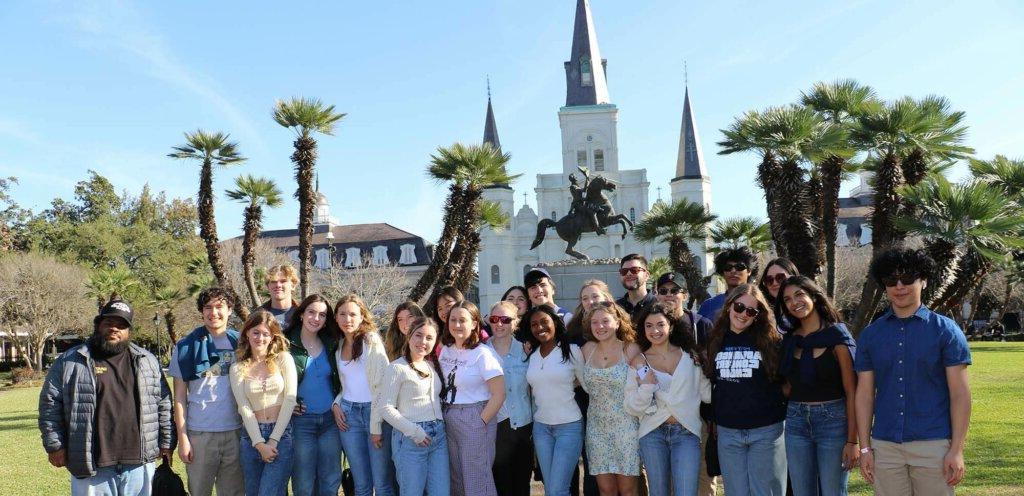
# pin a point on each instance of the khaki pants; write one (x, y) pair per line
(215, 461)
(706, 486)
(912, 468)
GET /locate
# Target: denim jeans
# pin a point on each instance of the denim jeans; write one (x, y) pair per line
(266, 479)
(118, 480)
(368, 463)
(815, 438)
(422, 469)
(753, 460)
(671, 455)
(558, 451)
(317, 468)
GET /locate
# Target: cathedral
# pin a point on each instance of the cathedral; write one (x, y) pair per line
(589, 125)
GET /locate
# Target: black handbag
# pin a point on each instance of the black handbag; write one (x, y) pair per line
(711, 453)
(166, 482)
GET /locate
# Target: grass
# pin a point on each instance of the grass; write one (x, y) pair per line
(995, 446)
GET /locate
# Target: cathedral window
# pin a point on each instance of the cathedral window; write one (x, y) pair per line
(586, 72)
(581, 158)
(632, 214)
(495, 275)
(599, 159)
(553, 216)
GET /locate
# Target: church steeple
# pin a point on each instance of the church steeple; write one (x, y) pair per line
(490, 128)
(585, 79)
(690, 161)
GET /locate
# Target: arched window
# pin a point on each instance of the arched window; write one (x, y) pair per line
(632, 214)
(495, 275)
(553, 216)
(586, 72)
(599, 159)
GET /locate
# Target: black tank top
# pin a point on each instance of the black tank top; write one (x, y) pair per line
(828, 384)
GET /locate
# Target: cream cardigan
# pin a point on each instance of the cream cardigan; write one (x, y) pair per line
(681, 400)
(375, 358)
(406, 398)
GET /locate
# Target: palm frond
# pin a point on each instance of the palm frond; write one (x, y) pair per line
(256, 191)
(306, 115)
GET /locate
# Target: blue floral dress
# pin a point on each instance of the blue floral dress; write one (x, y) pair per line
(612, 443)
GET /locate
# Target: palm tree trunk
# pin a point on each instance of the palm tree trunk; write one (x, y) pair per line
(171, 332)
(767, 178)
(946, 257)
(975, 300)
(800, 241)
(208, 224)
(462, 258)
(682, 261)
(1005, 307)
(831, 179)
(466, 270)
(887, 202)
(304, 159)
(442, 251)
(915, 169)
(971, 270)
(253, 219)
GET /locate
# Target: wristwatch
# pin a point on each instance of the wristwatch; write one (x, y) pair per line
(866, 450)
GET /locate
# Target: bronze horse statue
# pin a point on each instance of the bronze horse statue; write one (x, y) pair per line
(572, 226)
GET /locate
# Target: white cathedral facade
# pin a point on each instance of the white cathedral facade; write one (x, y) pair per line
(589, 125)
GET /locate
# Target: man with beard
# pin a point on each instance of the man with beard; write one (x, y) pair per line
(633, 274)
(105, 410)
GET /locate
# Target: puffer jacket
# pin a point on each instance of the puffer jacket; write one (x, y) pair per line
(67, 405)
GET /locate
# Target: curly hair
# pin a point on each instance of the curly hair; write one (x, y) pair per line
(278, 343)
(742, 255)
(766, 337)
(367, 326)
(902, 261)
(216, 293)
(625, 332)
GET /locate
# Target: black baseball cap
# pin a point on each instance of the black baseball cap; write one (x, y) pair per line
(672, 277)
(534, 276)
(115, 308)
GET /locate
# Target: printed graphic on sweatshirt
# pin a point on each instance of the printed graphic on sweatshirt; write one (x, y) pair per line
(737, 363)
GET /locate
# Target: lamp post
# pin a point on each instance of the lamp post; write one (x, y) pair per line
(330, 248)
(156, 326)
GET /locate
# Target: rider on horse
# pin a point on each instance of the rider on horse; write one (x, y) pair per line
(580, 201)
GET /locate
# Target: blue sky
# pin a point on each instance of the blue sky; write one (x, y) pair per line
(111, 86)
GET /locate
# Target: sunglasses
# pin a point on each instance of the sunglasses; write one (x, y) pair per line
(737, 267)
(777, 278)
(906, 279)
(631, 270)
(741, 308)
(499, 319)
(670, 291)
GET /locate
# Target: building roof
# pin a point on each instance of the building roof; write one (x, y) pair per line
(348, 234)
(584, 49)
(490, 127)
(690, 160)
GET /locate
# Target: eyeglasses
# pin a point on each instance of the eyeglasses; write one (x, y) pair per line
(906, 279)
(739, 267)
(631, 270)
(499, 319)
(670, 291)
(741, 308)
(777, 278)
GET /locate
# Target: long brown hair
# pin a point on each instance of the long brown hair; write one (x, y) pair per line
(474, 315)
(329, 330)
(766, 337)
(625, 332)
(575, 327)
(278, 343)
(367, 326)
(393, 337)
(406, 352)
(678, 335)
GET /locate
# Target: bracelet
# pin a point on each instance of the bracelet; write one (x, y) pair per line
(866, 450)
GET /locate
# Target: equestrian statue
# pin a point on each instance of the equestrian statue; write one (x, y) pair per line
(590, 211)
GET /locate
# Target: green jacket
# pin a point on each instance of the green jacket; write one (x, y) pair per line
(302, 357)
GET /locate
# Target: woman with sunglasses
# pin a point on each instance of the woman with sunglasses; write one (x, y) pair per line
(513, 457)
(665, 391)
(817, 362)
(473, 391)
(774, 274)
(749, 407)
(554, 366)
(519, 297)
(410, 401)
(734, 266)
(612, 441)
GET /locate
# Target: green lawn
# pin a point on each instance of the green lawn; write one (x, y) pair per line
(995, 447)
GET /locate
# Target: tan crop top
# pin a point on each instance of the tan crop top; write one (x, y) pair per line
(253, 395)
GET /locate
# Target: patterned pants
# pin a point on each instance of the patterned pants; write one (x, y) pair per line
(470, 450)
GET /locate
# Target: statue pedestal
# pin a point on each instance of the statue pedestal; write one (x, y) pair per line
(569, 276)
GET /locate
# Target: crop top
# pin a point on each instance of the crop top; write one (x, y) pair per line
(253, 395)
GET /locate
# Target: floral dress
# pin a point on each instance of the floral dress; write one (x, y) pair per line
(612, 443)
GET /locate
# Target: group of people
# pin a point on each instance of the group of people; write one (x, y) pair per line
(763, 385)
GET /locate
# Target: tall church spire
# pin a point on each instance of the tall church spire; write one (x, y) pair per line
(585, 79)
(690, 161)
(490, 128)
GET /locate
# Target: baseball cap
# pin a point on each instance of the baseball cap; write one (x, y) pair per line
(115, 308)
(534, 276)
(673, 277)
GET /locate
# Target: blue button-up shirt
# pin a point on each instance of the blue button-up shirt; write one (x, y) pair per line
(909, 359)
(517, 406)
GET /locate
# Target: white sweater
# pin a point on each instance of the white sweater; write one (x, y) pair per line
(406, 398)
(682, 400)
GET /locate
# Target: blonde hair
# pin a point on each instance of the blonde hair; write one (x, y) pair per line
(278, 343)
(626, 333)
(509, 307)
(284, 270)
(576, 326)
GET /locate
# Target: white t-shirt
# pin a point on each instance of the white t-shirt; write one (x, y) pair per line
(472, 369)
(551, 382)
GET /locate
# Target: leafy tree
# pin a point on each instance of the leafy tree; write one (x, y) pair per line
(255, 192)
(305, 116)
(12, 218)
(678, 224)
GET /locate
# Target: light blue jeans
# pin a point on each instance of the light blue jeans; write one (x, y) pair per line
(753, 460)
(118, 480)
(317, 469)
(815, 438)
(422, 469)
(266, 479)
(368, 463)
(671, 455)
(558, 451)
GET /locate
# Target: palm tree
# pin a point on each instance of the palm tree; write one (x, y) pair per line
(839, 102)
(490, 217)
(940, 144)
(1002, 172)
(957, 218)
(470, 168)
(109, 283)
(165, 300)
(256, 192)
(305, 116)
(658, 266)
(740, 231)
(210, 149)
(678, 224)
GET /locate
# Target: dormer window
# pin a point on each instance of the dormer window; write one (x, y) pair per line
(586, 72)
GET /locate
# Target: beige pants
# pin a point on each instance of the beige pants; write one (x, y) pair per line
(706, 486)
(215, 461)
(910, 469)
